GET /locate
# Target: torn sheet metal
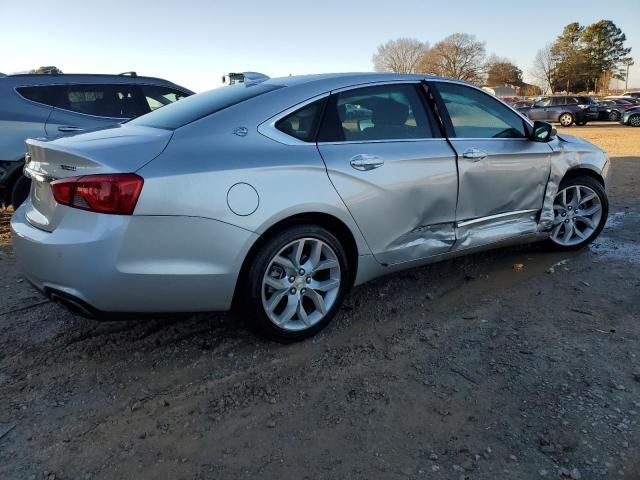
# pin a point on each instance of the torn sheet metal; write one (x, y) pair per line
(475, 234)
(421, 242)
(569, 152)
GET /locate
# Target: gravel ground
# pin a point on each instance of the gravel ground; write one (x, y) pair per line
(467, 369)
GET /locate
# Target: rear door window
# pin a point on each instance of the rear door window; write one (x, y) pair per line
(116, 101)
(385, 112)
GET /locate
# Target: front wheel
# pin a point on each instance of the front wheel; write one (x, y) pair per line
(580, 211)
(566, 119)
(634, 120)
(296, 283)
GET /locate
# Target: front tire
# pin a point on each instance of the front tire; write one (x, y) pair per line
(580, 212)
(634, 120)
(20, 191)
(296, 283)
(566, 119)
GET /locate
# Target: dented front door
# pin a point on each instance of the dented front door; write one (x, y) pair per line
(405, 206)
(397, 177)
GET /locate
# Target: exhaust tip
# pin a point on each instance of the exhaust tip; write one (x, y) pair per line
(72, 304)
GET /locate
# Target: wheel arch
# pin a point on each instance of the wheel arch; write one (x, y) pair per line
(584, 170)
(325, 220)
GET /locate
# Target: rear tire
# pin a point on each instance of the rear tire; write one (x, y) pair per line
(580, 209)
(634, 120)
(566, 119)
(20, 191)
(296, 283)
(614, 116)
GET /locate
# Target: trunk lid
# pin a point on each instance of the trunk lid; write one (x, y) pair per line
(122, 149)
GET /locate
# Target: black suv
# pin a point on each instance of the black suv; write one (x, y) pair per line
(566, 110)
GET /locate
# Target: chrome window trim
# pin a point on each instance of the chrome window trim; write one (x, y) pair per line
(391, 140)
(494, 139)
(377, 84)
(494, 217)
(269, 130)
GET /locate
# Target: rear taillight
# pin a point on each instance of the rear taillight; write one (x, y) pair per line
(629, 106)
(116, 194)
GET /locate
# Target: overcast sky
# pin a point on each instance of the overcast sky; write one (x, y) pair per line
(194, 42)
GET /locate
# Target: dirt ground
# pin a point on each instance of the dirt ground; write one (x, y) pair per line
(467, 369)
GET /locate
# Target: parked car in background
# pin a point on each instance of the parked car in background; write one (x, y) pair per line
(522, 104)
(566, 110)
(52, 105)
(274, 195)
(631, 117)
(626, 99)
(634, 94)
(613, 109)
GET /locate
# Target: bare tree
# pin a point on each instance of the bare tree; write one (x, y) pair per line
(459, 56)
(544, 66)
(401, 55)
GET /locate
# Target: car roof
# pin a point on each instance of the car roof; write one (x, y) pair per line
(32, 79)
(339, 80)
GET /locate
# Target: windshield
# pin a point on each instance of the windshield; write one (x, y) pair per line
(201, 105)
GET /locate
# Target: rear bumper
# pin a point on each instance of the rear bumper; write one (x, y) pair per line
(111, 263)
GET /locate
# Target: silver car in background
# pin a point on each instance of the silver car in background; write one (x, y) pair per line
(56, 104)
(279, 195)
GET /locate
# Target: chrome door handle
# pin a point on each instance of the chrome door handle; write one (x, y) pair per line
(70, 128)
(474, 154)
(366, 162)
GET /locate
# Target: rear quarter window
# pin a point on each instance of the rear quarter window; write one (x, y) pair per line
(47, 95)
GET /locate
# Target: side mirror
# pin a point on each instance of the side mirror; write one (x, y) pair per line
(542, 132)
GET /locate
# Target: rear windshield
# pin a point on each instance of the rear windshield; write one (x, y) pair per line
(199, 106)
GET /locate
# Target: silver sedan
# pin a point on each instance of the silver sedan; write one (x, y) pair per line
(278, 195)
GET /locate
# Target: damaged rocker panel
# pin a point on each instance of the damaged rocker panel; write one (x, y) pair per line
(431, 240)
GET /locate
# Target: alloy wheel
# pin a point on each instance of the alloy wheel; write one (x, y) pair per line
(634, 120)
(566, 119)
(577, 213)
(301, 284)
(614, 116)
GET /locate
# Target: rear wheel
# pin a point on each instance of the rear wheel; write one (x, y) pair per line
(20, 191)
(566, 119)
(580, 211)
(614, 116)
(296, 283)
(634, 120)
